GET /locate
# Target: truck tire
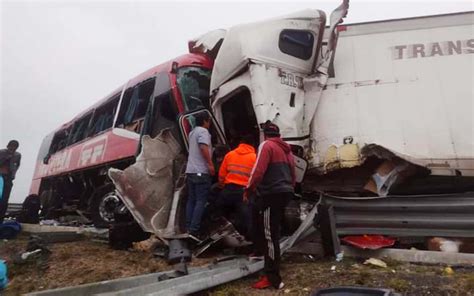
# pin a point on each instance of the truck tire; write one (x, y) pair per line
(104, 205)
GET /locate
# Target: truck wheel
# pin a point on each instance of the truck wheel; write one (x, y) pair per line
(105, 202)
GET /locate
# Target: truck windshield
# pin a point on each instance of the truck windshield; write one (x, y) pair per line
(193, 83)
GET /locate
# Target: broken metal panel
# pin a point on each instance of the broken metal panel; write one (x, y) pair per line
(430, 257)
(277, 95)
(147, 187)
(207, 42)
(260, 42)
(336, 18)
(404, 105)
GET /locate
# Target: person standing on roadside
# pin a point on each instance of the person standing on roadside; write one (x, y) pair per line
(199, 172)
(271, 185)
(9, 164)
(234, 174)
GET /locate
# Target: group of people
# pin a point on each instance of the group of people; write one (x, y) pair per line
(9, 164)
(257, 185)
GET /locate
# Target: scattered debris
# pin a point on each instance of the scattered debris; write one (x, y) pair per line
(147, 245)
(448, 271)
(25, 255)
(372, 242)
(29, 210)
(376, 262)
(50, 222)
(418, 256)
(333, 268)
(36, 252)
(122, 235)
(9, 230)
(444, 245)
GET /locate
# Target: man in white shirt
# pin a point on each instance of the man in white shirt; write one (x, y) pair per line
(199, 172)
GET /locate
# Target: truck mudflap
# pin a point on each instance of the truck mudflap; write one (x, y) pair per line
(150, 188)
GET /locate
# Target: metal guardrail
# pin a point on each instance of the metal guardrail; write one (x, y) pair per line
(14, 207)
(449, 215)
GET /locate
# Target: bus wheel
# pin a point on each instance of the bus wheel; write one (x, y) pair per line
(104, 205)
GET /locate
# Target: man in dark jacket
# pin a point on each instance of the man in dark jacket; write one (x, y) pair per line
(9, 164)
(272, 185)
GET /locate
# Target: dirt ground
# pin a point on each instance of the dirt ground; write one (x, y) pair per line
(302, 276)
(83, 262)
(75, 263)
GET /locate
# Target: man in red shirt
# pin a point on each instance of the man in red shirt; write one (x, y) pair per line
(272, 185)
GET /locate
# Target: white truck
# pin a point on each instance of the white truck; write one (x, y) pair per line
(370, 109)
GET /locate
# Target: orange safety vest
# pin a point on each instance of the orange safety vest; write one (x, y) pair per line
(237, 165)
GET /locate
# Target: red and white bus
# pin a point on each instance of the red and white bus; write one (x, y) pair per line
(72, 164)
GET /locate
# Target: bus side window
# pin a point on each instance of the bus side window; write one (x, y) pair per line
(104, 116)
(134, 105)
(59, 141)
(79, 129)
(165, 114)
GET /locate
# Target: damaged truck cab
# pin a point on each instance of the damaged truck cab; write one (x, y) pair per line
(259, 72)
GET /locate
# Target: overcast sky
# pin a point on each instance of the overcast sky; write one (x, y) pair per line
(59, 57)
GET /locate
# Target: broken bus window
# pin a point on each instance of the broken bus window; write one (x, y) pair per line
(193, 84)
(59, 141)
(104, 116)
(134, 104)
(80, 128)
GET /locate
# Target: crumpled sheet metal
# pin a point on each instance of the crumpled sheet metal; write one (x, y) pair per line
(207, 42)
(147, 187)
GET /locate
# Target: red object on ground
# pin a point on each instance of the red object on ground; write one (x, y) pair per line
(262, 283)
(372, 242)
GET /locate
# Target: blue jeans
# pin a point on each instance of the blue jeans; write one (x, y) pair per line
(198, 191)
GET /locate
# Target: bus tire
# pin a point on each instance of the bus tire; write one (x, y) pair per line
(104, 204)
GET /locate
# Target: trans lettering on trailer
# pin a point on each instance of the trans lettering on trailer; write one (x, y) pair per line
(421, 50)
(93, 152)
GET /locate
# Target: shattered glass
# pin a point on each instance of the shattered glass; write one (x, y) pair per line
(193, 83)
(150, 188)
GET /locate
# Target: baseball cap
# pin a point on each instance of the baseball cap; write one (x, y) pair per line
(271, 129)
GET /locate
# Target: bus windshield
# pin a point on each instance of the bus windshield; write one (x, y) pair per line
(193, 84)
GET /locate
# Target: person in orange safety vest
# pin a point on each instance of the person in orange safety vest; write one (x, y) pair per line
(234, 175)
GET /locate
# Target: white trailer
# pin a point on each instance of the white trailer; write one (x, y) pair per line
(403, 85)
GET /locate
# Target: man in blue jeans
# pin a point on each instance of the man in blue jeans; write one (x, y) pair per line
(199, 171)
